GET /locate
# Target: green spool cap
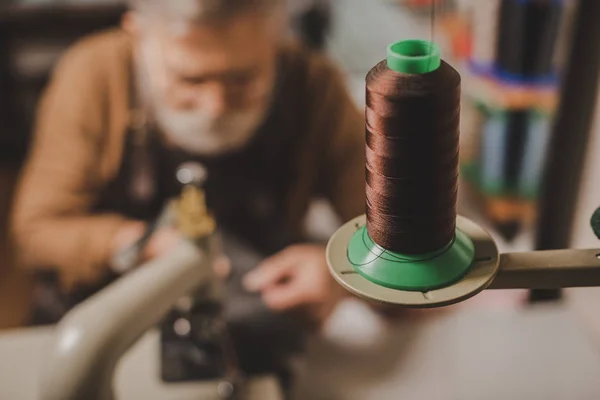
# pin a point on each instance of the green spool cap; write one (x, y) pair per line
(413, 56)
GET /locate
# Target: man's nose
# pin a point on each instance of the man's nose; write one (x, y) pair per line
(214, 100)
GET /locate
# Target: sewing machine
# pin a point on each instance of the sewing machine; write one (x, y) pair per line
(81, 354)
(79, 358)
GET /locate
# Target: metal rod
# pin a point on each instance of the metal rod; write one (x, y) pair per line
(570, 136)
(571, 131)
(550, 269)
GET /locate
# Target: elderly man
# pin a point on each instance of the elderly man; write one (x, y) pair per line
(210, 81)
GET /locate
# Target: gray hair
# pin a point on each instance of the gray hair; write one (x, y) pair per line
(203, 10)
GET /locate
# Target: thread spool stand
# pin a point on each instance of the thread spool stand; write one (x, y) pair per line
(359, 260)
(466, 266)
(479, 274)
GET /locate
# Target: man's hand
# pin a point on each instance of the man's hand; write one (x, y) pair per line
(161, 241)
(129, 233)
(297, 278)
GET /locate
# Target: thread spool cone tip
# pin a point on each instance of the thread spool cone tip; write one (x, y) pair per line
(413, 56)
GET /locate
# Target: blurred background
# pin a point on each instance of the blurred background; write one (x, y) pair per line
(512, 56)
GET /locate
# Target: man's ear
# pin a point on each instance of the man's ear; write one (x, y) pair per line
(130, 23)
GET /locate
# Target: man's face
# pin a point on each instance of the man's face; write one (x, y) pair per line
(210, 86)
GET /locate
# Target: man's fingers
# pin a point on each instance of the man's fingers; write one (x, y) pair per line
(303, 289)
(272, 270)
(284, 297)
(222, 267)
(162, 242)
(267, 274)
(288, 256)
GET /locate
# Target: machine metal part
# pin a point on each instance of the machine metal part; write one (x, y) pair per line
(91, 338)
(192, 218)
(195, 343)
(534, 270)
(191, 173)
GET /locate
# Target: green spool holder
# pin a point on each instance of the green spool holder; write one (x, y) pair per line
(595, 222)
(411, 272)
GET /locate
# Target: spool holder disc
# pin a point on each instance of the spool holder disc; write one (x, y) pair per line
(479, 276)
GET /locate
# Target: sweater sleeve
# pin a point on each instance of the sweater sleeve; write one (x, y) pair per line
(52, 222)
(341, 127)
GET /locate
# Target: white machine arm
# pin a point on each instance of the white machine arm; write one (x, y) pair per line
(90, 340)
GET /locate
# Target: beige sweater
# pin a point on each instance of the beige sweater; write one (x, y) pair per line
(78, 146)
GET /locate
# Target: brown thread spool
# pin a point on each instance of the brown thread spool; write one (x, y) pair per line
(412, 128)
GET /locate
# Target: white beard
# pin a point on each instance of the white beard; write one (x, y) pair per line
(194, 130)
(201, 134)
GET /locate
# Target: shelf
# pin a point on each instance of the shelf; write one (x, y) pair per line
(501, 96)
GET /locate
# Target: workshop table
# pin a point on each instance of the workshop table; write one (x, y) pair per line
(536, 353)
(533, 353)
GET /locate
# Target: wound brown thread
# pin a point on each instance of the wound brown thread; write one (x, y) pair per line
(412, 148)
